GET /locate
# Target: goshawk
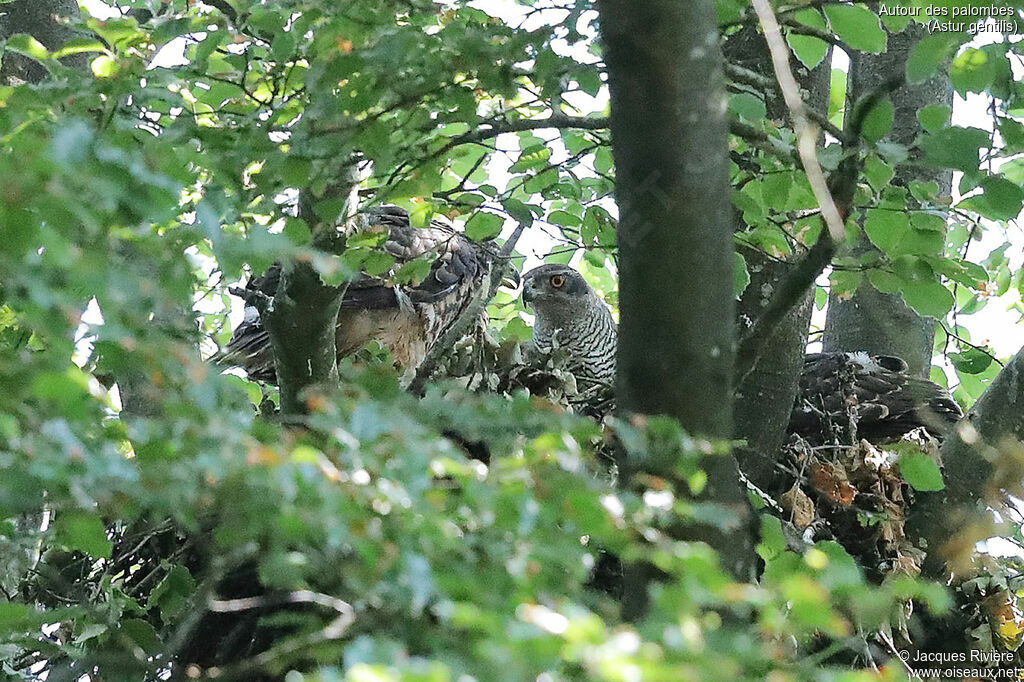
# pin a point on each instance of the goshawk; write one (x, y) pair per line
(406, 319)
(841, 395)
(569, 315)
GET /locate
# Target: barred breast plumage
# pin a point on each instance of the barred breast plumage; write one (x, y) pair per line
(841, 396)
(572, 317)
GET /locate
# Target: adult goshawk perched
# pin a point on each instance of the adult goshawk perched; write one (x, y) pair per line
(569, 315)
(406, 319)
(841, 395)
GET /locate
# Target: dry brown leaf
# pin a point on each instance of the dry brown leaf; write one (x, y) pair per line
(832, 481)
(1005, 619)
(799, 506)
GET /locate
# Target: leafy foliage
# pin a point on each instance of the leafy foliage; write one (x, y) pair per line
(138, 485)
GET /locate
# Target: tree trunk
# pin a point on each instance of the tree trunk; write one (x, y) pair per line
(669, 139)
(987, 441)
(301, 325)
(765, 397)
(40, 19)
(870, 320)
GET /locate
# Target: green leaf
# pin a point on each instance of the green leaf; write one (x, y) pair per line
(928, 297)
(104, 66)
(809, 50)
(971, 361)
(999, 200)
(519, 211)
(84, 531)
(740, 275)
(532, 157)
(377, 263)
(296, 171)
(845, 282)
(878, 122)
(921, 472)
(885, 281)
(173, 593)
(747, 106)
(413, 272)
(297, 232)
(955, 147)
(78, 46)
(934, 117)
(564, 218)
(893, 23)
(837, 97)
(368, 238)
(22, 43)
(773, 540)
(18, 618)
(886, 229)
(857, 26)
(931, 222)
(878, 173)
(283, 45)
(972, 71)
(930, 52)
(141, 633)
(483, 226)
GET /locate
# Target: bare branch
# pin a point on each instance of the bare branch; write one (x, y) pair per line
(768, 86)
(807, 137)
(257, 299)
(789, 293)
(343, 608)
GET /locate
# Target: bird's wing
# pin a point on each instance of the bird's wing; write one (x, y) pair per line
(872, 394)
(457, 270)
(457, 261)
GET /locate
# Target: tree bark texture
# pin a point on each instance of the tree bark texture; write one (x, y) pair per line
(675, 233)
(676, 301)
(870, 320)
(43, 20)
(764, 399)
(301, 324)
(984, 448)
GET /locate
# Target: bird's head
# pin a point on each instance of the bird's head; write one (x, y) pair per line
(554, 286)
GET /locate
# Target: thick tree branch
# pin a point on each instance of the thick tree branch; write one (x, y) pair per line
(492, 129)
(559, 121)
(676, 330)
(981, 458)
(301, 323)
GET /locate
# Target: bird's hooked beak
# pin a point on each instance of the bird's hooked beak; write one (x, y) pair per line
(529, 294)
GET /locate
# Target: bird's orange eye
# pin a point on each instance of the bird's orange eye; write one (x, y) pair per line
(558, 281)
